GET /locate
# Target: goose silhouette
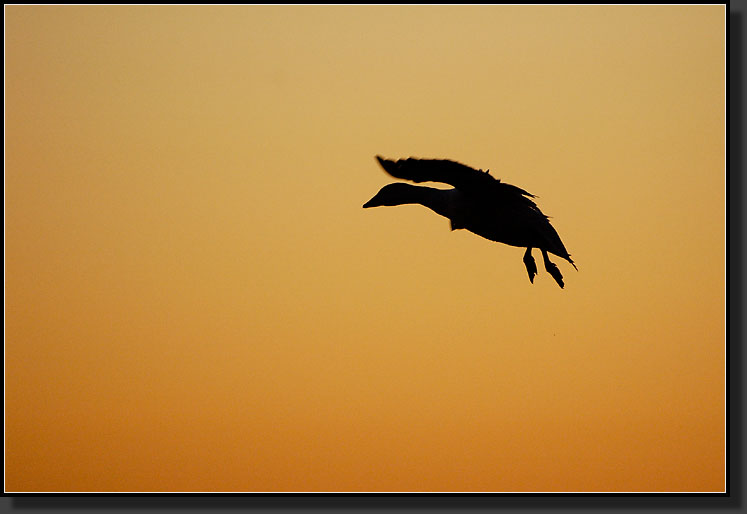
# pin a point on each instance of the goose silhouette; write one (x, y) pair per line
(479, 203)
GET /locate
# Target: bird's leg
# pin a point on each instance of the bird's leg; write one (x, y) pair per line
(552, 269)
(530, 264)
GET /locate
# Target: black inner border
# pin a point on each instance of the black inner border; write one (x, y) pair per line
(582, 501)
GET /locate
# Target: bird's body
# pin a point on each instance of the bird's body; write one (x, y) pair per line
(479, 203)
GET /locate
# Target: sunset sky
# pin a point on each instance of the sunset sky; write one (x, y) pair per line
(196, 301)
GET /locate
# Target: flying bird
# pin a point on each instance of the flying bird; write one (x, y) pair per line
(478, 202)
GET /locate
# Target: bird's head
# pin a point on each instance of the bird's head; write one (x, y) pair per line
(391, 194)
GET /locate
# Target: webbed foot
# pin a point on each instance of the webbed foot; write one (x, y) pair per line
(530, 264)
(553, 270)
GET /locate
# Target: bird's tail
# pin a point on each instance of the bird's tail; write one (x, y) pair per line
(572, 263)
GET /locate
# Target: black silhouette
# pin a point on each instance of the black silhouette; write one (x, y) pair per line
(479, 203)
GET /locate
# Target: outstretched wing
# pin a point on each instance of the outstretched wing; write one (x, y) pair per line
(438, 170)
(461, 176)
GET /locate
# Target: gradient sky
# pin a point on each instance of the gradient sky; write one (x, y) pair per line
(196, 301)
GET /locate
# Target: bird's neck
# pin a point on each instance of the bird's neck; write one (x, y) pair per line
(438, 200)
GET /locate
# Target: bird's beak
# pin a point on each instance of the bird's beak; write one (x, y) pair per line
(373, 202)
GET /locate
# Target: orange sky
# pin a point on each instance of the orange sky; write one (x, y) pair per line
(196, 301)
